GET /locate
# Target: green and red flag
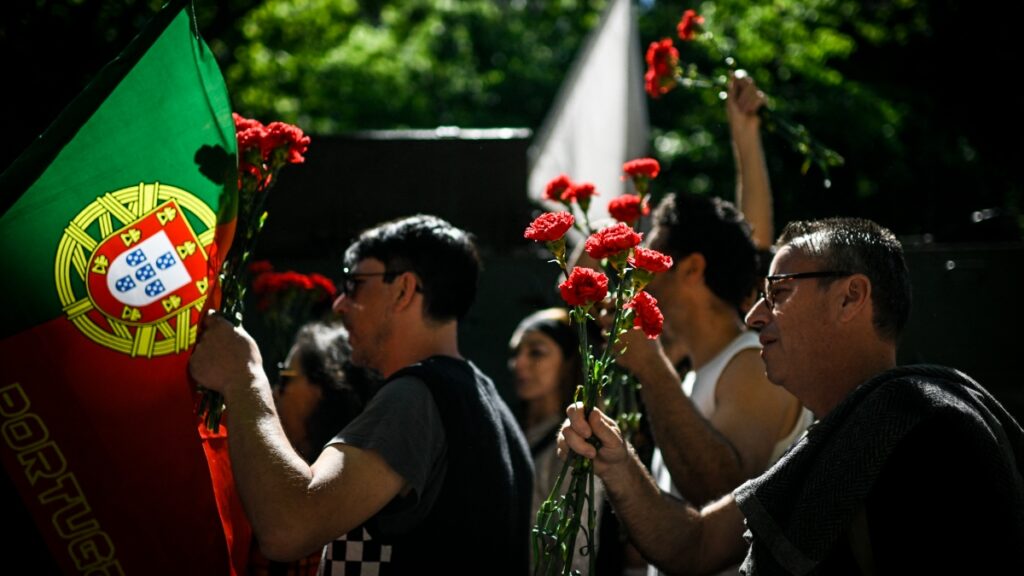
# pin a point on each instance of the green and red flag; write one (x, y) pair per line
(111, 238)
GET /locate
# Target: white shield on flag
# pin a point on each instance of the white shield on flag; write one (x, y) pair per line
(147, 273)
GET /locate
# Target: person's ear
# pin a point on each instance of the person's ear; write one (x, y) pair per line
(405, 286)
(855, 298)
(692, 266)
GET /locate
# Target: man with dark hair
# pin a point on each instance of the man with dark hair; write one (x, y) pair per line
(909, 470)
(434, 476)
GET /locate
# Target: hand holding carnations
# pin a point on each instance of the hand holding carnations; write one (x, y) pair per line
(582, 428)
(225, 357)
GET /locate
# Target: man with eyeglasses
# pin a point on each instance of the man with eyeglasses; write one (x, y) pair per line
(435, 475)
(909, 470)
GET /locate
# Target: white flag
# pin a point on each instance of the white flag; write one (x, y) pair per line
(599, 119)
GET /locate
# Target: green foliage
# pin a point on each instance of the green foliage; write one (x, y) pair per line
(341, 66)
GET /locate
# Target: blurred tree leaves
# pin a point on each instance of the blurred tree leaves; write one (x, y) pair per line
(336, 66)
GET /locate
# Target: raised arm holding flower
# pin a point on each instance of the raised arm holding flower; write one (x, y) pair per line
(753, 190)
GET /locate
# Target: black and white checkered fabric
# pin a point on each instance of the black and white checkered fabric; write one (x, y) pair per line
(356, 554)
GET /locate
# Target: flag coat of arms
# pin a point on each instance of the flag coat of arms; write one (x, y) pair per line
(111, 225)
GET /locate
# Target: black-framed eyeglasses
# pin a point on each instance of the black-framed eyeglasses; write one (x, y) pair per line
(768, 291)
(351, 280)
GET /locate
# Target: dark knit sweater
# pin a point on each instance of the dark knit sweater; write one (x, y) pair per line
(926, 460)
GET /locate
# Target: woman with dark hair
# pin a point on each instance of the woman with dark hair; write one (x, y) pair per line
(547, 369)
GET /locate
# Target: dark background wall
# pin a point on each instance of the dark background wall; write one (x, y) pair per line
(963, 313)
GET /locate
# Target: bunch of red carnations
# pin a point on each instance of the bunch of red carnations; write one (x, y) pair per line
(626, 268)
(286, 301)
(262, 151)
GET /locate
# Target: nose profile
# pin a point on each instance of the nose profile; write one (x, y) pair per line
(758, 315)
(518, 362)
(338, 307)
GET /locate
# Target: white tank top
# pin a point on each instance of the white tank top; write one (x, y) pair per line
(700, 387)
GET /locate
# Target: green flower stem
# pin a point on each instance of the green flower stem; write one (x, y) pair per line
(565, 271)
(543, 529)
(579, 492)
(592, 516)
(558, 520)
(622, 403)
(233, 282)
(579, 317)
(585, 231)
(613, 338)
(586, 220)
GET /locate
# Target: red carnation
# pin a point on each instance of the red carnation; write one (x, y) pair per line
(650, 260)
(284, 144)
(581, 193)
(628, 208)
(642, 167)
(324, 284)
(612, 240)
(689, 25)
(249, 133)
(662, 64)
(584, 287)
(243, 123)
(272, 282)
(273, 285)
(557, 187)
(297, 280)
(549, 226)
(647, 316)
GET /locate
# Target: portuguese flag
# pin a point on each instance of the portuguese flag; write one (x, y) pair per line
(109, 227)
